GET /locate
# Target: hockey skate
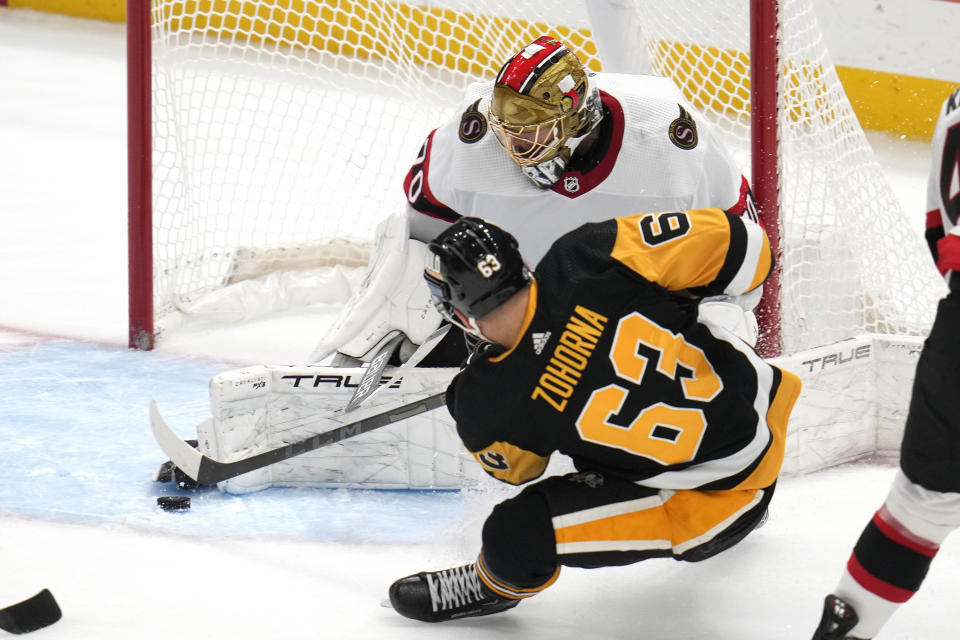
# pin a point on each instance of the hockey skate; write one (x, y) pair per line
(838, 618)
(436, 596)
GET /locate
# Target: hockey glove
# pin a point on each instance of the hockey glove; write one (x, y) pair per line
(392, 297)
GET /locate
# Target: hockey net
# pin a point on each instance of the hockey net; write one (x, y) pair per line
(282, 129)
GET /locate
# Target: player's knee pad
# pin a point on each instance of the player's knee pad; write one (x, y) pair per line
(518, 542)
(932, 515)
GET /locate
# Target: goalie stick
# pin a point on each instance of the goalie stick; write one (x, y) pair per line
(369, 386)
(33, 613)
(209, 471)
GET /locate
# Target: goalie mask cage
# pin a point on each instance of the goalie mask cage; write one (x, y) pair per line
(271, 136)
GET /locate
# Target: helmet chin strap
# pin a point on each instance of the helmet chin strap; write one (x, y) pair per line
(469, 324)
(474, 328)
(548, 173)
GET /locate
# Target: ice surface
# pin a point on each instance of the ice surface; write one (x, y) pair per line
(77, 506)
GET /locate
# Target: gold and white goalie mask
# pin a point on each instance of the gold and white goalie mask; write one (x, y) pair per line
(543, 104)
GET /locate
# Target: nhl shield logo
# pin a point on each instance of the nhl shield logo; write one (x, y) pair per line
(571, 184)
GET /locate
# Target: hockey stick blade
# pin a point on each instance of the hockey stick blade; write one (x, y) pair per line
(33, 613)
(371, 375)
(369, 386)
(209, 471)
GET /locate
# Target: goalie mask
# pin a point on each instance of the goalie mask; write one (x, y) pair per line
(473, 267)
(543, 104)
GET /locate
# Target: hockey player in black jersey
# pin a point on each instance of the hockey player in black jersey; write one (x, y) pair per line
(676, 426)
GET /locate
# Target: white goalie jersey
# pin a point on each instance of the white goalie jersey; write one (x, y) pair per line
(655, 153)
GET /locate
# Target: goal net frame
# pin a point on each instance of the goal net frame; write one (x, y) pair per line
(854, 382)
(142, 325)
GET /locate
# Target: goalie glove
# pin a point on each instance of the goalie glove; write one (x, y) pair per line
(733, 313)
(392, 298)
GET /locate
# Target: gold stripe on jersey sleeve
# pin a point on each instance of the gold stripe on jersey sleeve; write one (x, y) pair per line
(510, 463)
(778, 416)
(692, 259)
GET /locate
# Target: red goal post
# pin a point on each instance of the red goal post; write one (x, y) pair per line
(139, 177)
(765, 173)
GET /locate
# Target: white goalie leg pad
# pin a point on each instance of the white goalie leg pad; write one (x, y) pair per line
(392, 297)
(257, 409)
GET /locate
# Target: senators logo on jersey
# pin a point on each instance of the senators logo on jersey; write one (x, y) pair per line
(683, 131)
(473, 124)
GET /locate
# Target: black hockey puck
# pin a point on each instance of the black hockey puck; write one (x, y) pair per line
(174, 503)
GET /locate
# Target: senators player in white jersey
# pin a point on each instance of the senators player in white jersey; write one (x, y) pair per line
(676, 427)
(540, 150)
(891, 558)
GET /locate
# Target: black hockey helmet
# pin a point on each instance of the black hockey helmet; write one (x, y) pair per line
(473, 266)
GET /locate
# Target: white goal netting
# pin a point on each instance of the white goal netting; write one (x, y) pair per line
(283, 129)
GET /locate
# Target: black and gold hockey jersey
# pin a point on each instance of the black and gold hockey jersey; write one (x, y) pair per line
(613, 369)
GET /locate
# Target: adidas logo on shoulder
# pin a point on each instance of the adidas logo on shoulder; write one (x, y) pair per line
(540, 341)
